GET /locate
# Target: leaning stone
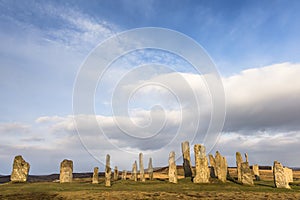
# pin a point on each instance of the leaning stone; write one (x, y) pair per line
(255, 169)
(239, 161)
(95, 179)
(150, 169)
(212, 162)
(124, 174)
(202, 170)
(288, 174)
(142, 171)
(246, 174)
(66, 171)
(187, 165)
(20, 170)
(116, 174)
(172, 168)
(107, 172)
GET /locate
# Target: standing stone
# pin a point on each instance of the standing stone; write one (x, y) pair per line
(246, 174)
(255, 169)
(124, 174)
(142, 172)
(212, 162)
(220, 167)
(288, 174)
(116, 174)
(150, 169)
(20, 170)
(172, 168)
(134, 171)
(107, 171)
(95, 179)
(66, 171)
(280, 179)
(239, 161)
(201, 162)
(246, 157)
(187, 165)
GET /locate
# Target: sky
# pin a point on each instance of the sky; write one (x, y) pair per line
(148, 100)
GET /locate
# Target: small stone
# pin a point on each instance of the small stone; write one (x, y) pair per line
(66, 171)
(95, 179)
(20, 170)
(246, 174)
(255, 169)
(280, 180)
(124, 174)
(187, 165)
(134, 171)
(107, 172)
(172, 168)
(116, 174)
(142, 171)
(212, 162)
(150, 169)
(201, 162)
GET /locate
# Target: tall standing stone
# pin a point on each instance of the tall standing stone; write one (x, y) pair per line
(288, 174)
(20, 170)
(66, 171)
(187, 165)
(239, 160)
(124, 174)
(95, 179)
(134, 171)
(116, 174)
(246, 157)
(172, 168)
(212, 162)
(201, 162)
(280, 179)
(220, 167)
(150, 169)
(246, 174)
(107, 171)
(255, 169)
(142, 171)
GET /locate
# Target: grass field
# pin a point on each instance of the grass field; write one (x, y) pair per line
(157, 189)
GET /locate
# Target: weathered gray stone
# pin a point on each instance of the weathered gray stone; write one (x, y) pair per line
(66, 171)
(95, 179)
(255, 169)
(212, 162)
(187, 165)
(124, 174)
(142, 171)
(116, 174)
(288, 174)
(134, 171)
(201, 162)
(150, 169)
(20, 170)
(246, 174)
(107, 172)
(280, 179)
(239, 161)
(172, 168)
(220, 167)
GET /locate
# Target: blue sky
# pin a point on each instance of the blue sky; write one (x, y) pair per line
(254, 44)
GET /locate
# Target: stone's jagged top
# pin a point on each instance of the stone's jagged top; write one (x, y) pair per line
(66, 171)
(172, 168)
(201, 162)
(20, 170)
